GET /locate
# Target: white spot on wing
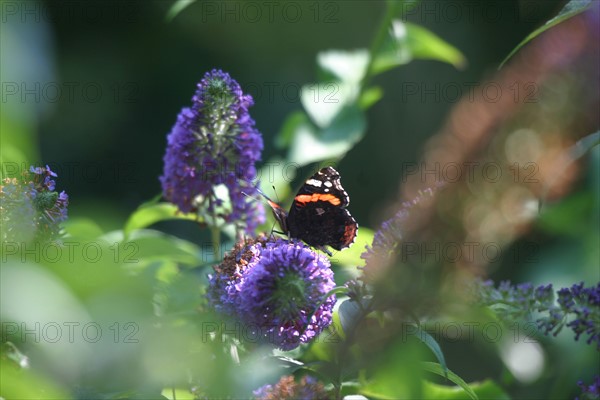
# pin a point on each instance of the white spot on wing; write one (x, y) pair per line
(314, 182)
(328, 184)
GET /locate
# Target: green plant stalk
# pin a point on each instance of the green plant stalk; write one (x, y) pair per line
(391, 10)
(215, 235)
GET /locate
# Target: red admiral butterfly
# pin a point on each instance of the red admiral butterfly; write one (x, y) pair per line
(318, 215)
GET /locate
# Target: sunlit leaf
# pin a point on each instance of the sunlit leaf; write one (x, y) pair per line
(570, 9)
(152, 245)
(351, 255)
(151, 214)
(410, 41)
(339, 136)
(344, 66)
(324, 101)
(26, 384)
(438, 369)
(486, 390)
(369, 97)
(178, 394)
(177, 7)
(82, 228)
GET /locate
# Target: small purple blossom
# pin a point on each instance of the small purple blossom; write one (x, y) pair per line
(30, 208)
(591, 391)
(277, 288)
(288, 389)
(211, 154)
(576, 307)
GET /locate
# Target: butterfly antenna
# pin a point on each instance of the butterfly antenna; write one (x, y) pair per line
(252, 197)
(275, 191)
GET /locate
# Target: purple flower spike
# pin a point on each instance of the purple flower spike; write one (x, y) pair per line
(215, 145)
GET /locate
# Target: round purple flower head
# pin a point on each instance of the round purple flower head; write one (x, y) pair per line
(288, 389)
(30, 208)
(277, 288)
(211, 154)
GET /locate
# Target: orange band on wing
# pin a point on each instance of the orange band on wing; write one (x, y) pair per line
(307, 198)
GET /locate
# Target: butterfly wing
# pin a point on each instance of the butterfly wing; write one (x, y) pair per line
(318, 215)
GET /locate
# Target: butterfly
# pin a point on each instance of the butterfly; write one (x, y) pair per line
(318, 216)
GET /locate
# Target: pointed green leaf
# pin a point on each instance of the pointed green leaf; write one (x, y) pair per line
(433, 345)
(486, 389)
(147, 245)
(410, 41)
(369, 97)
(570, 9)
(145, 216)
(439, 370)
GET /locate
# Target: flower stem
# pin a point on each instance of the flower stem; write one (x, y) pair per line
(215, 235)
(385, 24)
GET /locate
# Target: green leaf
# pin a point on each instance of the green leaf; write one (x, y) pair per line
(438, 369)
(369, 97)
(291, 124)
(568, 157)
(433, 345)
(569, 216)
(176, 8)
(323, 101)
(408, 42)
(147, 215)
(148, 246)
(344, 66)
(570, 9)
(395, 376)
(341, 133)
(351, 255)
(349, 312)
(82, 228)
(27, 384)
(348, 125)
(485, 390)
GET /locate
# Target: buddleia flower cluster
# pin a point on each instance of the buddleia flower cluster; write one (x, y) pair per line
(575, 307)
(389, 236)
(288, 389)
(591, 391)
(30, 207)
(277, 288)
(211, 153)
